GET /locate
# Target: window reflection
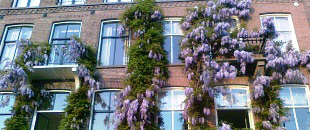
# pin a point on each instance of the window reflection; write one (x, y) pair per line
(171, 105)
(104, 107)
(55, 101)
(295, 98)
(6, 104)
(173, 36)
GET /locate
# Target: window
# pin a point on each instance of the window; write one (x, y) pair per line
(173, 35)
(12, 34)
(296, 99)
(233, 107)
(103, 107)
(6, 104)
(171, 105)
(49, 114)
(285, 28)
(61, 34)
(107, 1)
(26, 3)
(70, 2)
(112, 47)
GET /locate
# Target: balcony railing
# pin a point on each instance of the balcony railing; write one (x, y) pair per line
(60, 55)
(255, 45)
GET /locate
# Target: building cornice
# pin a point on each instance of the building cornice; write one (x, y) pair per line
(90, 7)
(109, 6)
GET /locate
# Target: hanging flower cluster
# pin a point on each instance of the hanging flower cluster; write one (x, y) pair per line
(137, 103)
(15, 77)
(207, 37)
(78, 108)
(282, 68)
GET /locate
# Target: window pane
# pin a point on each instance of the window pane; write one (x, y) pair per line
(26, 33)
(55, 101)
(79, 1)
(290, 124)
(22, 3)
(109, 29)
(285, 95)
(223, 100)
(60, 31)
(299, 96)
(66, 2)
(7, 54)
(282, 24)
(303, 118)
(7, 102)
(102, 101)
(126, 0)
(165, 100)
(112, 0)
(2, 119)
(12, 34)
(112, 121)
(34, 3)
(178, 120)
(167, 119)
(113, 102)
(167, 27)
(48, 121)
(107, 51)
(119, 52)
(239, 118)
(101, 121)
(239, 97)
(176, 28)
(176, 48)
(167, 47)
(73, 30)
(178, 97)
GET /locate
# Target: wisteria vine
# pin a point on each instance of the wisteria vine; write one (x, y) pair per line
(136, 103)
(208, 36)
(15, 77)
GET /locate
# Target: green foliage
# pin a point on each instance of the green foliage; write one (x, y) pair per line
(77, 110)
(17, 123)
(140, 65)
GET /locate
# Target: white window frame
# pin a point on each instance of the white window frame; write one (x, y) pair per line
(51, 37)
(293, 107)
(172, 99)
(5, 36)
(33, 124)
(170, 20)
(126, 46)
(119, 1)
(249, 107)
(60, 2)
(10, 93)
(92, 113)
(291, 24)
(15, 2)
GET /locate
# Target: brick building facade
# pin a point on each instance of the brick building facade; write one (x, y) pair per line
(91, 17)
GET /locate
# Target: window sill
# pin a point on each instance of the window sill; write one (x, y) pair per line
(110, 67)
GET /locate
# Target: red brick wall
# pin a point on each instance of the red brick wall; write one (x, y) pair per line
(298, 14)
(91, 28)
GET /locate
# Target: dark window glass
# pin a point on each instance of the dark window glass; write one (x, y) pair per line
(238, 118)
(48, 121)
(112, 45)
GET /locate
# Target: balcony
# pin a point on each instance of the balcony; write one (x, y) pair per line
(59, 65)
